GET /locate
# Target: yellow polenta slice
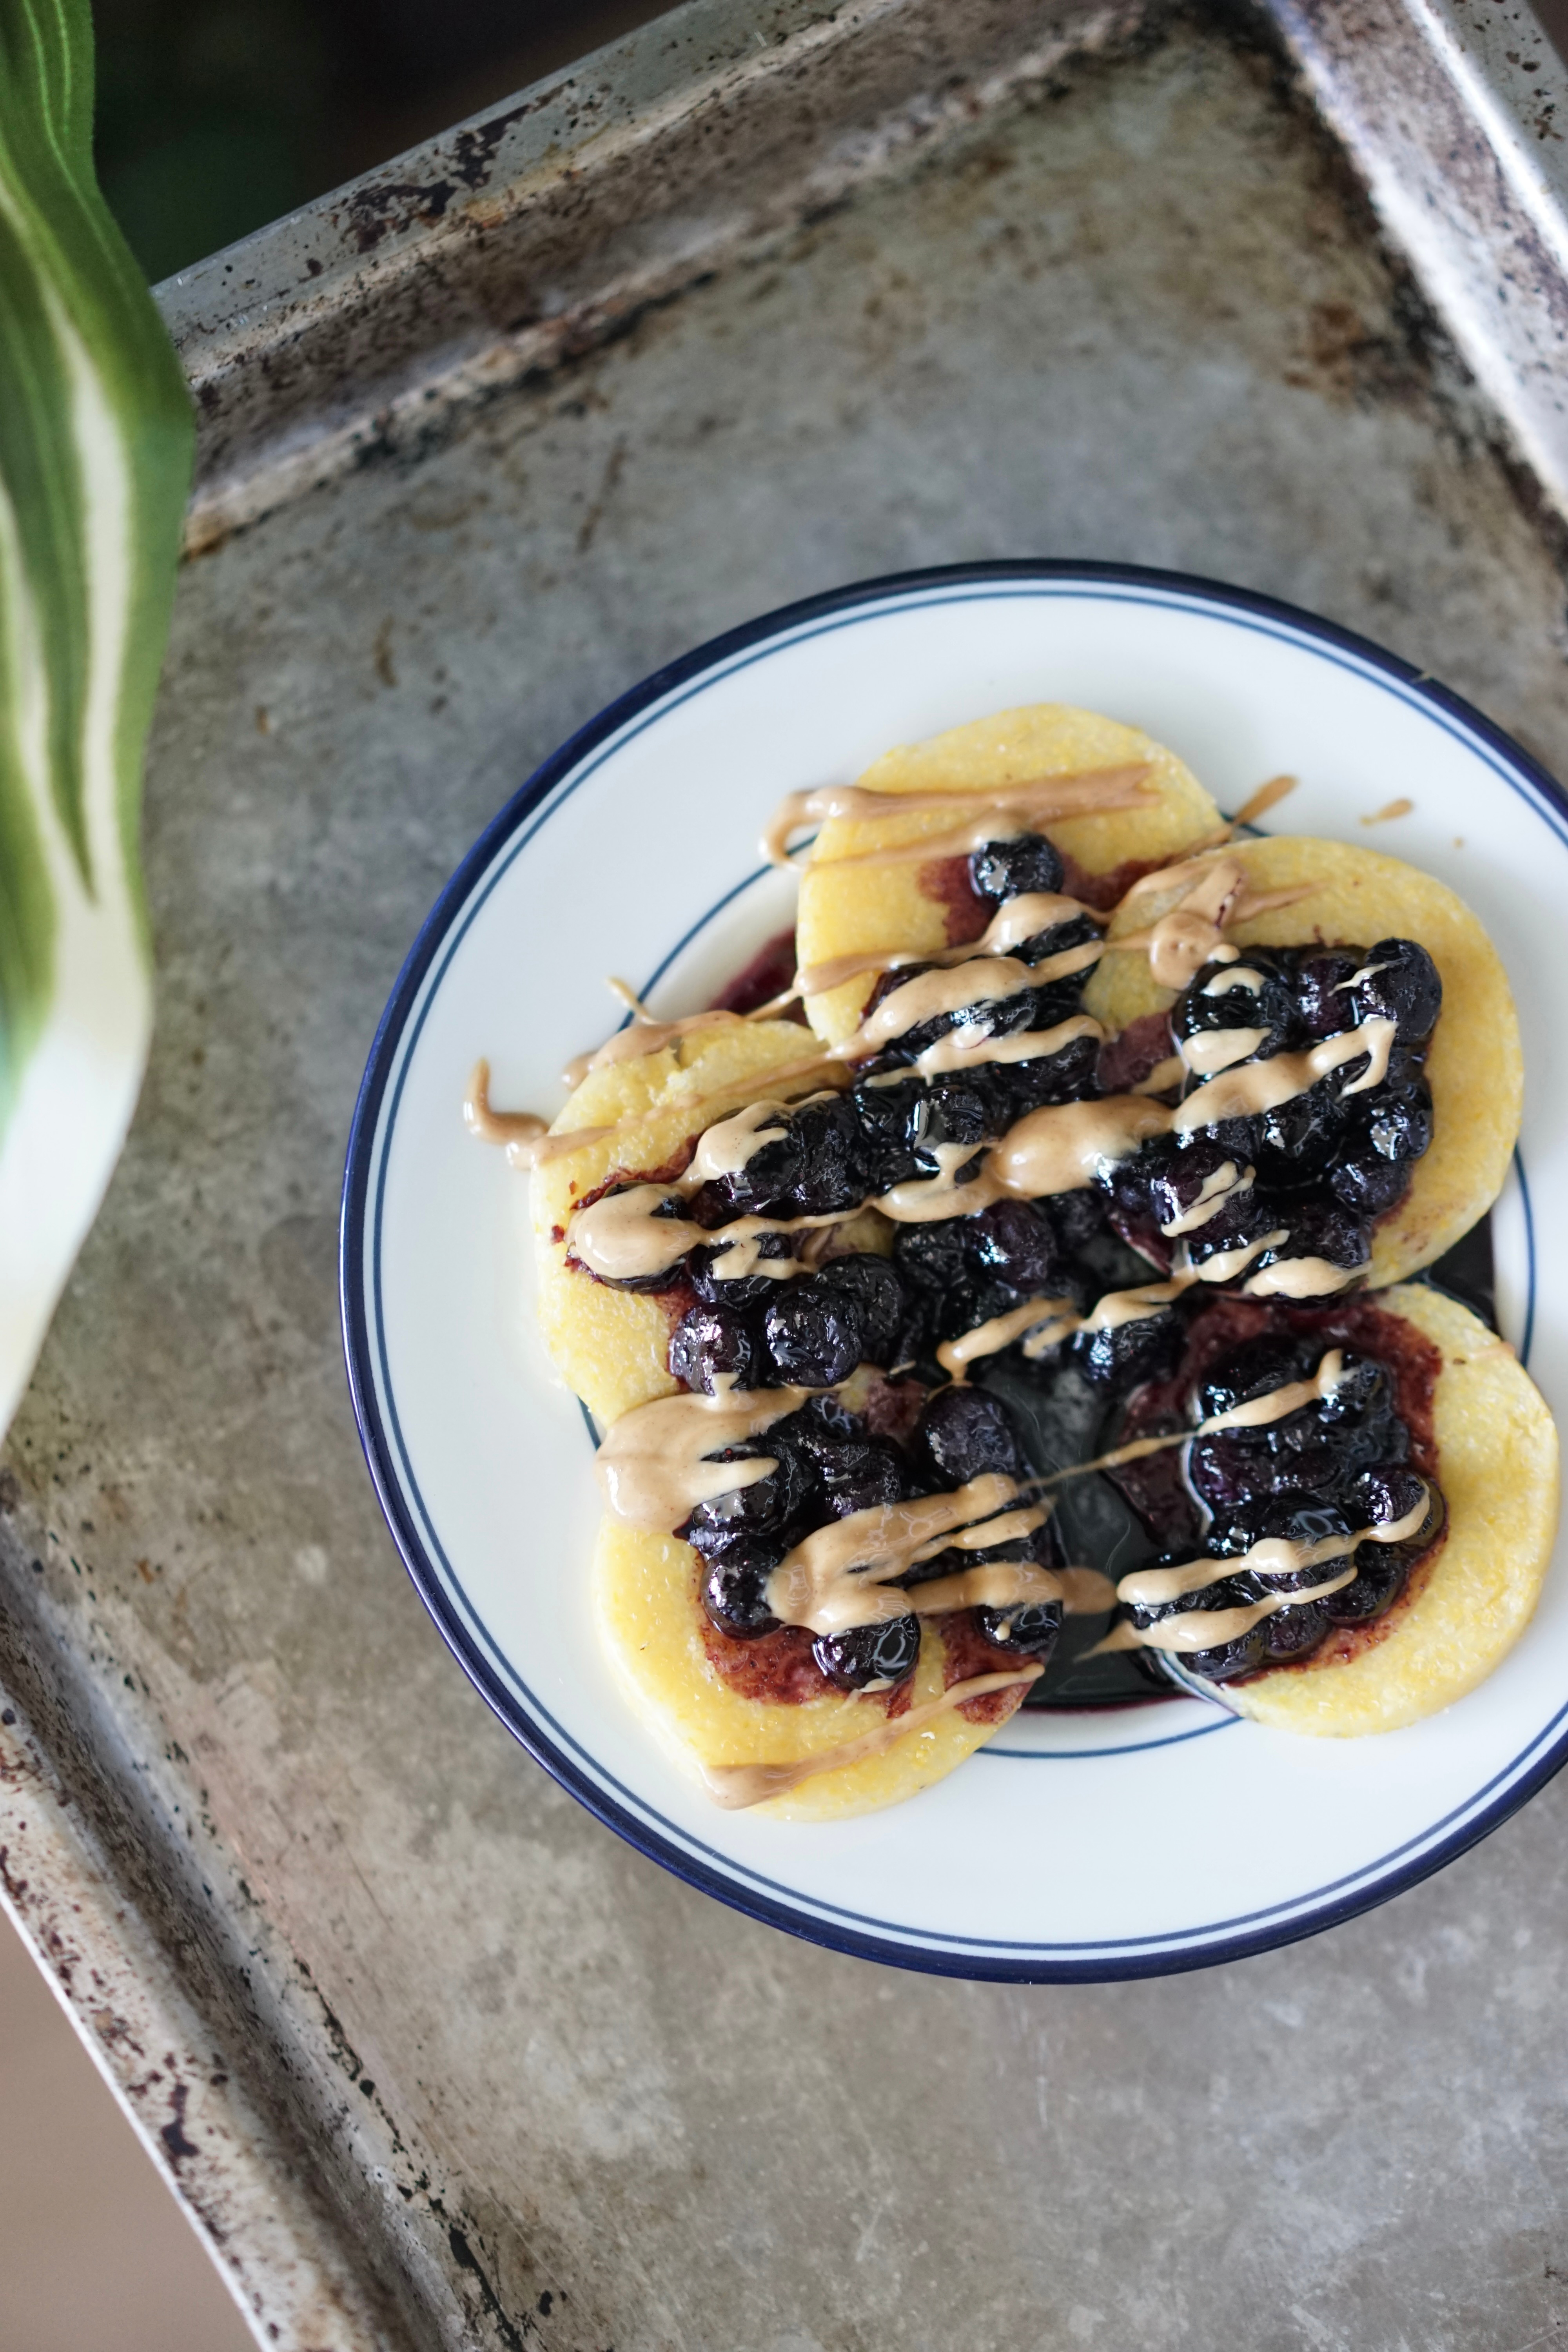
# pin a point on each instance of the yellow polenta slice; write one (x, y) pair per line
(866, 907)
(1475, 1066)
(651, 1621)
(611, 1346)
(1496, 1464)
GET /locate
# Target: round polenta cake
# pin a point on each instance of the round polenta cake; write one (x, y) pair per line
(1474, 1066)
(1497, 1451)
(859, 909)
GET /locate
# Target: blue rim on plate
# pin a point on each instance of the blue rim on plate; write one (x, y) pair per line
(745, 1890)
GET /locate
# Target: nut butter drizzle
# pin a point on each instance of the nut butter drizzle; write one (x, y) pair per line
(655, 1467)
(1056, 1150)
(1207, 1628)
(735, 1785)
(1256, 1413)
(1213, 892)
(1060, 1147)
(839, 1577)
(995, 811)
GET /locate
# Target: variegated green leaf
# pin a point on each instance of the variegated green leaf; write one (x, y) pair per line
(95, 455)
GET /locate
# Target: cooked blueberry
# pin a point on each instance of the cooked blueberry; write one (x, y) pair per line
(892, 1118)
(1175, 1181)
(1304, 1519)
(739, 1290)
(959, 1109)
(833, 1173)
(1325, 1230)
(1258, 993)
(1244, 1221)
(1065, 1075)
(932, 1257)
(709, 1343)
(735, 1594)
(860, 1475)
(963, 1434)
(1000, 1016)
(1078, 931)
(1236, 1469)
(882, 1296)
(1399, 1124)
(1124, 1352)
(1367, 1185)
(1293, 1633)
(764, 1184)
(814, 1334)
(1013, 1242)
(764, 1508)
(1228, 1660)
(1377, 1584)
(1321, 993)
(1294, 1142)
(1007, 869)
(1361, 1398)
(1401, 984)
(869, 1653)
(1030, 1626)
(1253, 1370)
(1387, 1493)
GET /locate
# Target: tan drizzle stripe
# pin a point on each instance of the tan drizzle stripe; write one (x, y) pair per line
(1257, 1086)
(728, 1146)
(640, 1038)
(1152, 1588)
(1214, 1194)
(995, 1584)
(820, 1070)
(1216, 1049)
(1080, 792)
(990, 980)
(1017, 921)
(1259, 802)
(960, 1051)
(989, 1338)
(734, 1786)
(837, 1577)
(519, 1130)
(653, 1467)
(1207, 1628)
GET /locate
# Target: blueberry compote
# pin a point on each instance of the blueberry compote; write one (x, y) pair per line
(1306, 1179)
(1358, 1457)
(831, 1463)
(827, 1156)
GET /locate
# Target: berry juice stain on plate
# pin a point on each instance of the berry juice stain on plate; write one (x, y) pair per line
(1024, 1303)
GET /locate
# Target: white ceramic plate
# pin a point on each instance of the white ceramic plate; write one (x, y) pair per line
(1092, 1845)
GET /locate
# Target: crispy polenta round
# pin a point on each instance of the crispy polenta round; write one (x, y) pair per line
(862, 908)
(1475, 1066)
(651, 1621)
(1496, 1464)
(609, 1345)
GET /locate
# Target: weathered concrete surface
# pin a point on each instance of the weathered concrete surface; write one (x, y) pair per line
(569, 2102)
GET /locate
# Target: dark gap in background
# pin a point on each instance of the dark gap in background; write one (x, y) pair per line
(217, 116)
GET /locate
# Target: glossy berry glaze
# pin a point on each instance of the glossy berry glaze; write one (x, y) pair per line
(1358, 1458)
(1324, 1166)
